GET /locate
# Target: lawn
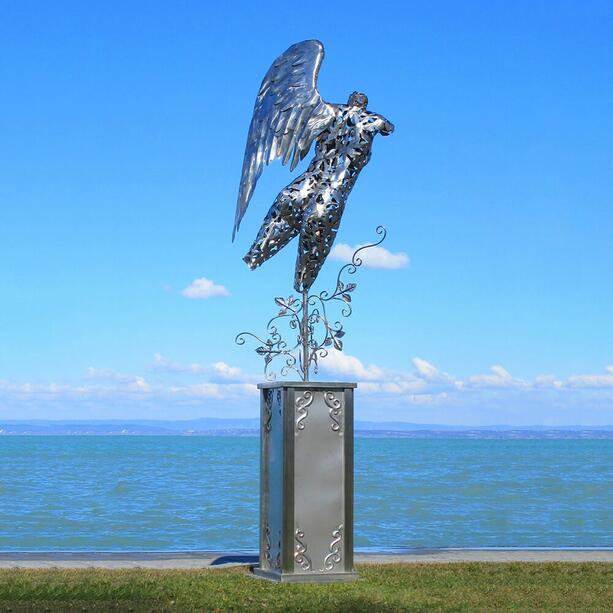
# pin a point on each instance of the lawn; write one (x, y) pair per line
(394, 587)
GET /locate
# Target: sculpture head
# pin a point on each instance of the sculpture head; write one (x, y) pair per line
(358, 99)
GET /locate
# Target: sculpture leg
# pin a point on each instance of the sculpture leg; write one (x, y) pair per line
(281, 224)
(319, 227)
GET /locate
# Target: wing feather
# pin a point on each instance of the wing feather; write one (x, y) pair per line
(289, 113)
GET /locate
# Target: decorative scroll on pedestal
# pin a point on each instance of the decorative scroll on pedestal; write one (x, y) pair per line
(302, 404)
(267, 410)
(300, 555)
(335, 407)
(267, 546)
(334, 557)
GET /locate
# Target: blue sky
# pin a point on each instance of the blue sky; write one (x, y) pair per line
(123, 128)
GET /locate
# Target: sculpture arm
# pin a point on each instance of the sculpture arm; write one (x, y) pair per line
(378, 124)
(383, 126)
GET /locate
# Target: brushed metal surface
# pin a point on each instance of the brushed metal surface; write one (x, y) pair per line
(319, 483)
(342, 385)
(272, 477)
(306, 506)
(348, 440)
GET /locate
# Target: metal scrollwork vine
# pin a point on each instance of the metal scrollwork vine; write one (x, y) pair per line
(334, 410)
(309, 315)
(300, 555)
(267, 410)
(334, 557)
(302, 404)
(267, 546)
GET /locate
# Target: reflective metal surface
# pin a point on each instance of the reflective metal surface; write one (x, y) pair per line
(306, 498)
(306, 472)
(310, 318)
(289, 115)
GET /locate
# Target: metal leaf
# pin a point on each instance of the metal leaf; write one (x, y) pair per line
(319, 321)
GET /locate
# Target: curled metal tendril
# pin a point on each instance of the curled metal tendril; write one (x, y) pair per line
(323, 332)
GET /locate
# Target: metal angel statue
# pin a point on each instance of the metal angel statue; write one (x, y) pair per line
(289, 115)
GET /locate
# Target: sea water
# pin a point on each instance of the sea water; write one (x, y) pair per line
(167, 493)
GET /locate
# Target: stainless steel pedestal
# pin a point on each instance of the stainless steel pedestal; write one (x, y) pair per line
(306, 482)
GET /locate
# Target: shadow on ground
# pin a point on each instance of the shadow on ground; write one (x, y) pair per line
(235, 559)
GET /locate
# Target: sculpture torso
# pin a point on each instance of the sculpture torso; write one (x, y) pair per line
(344, 148)
(312, 204)
(289, 116)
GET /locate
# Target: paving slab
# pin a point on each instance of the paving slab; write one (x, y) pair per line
(219, 559)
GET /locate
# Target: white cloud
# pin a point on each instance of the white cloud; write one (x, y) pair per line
(547, 381)
(398, 387)
(225, 371)
(162, 363)
(404, 384)
(498, 378)
(139, 385)
(126, 383)
(215, 390)
(217, 369)
(343, 364)
(203, 288)
(427, 399)
(374, 257)
(369, 388)
(427, 384)
(32, 389)
(594, 381)
(108, 374)
(205, 390)
(375, 379)
(425, 369)
(421, 392)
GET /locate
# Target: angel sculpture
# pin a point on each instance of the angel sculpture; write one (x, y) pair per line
(290, 114)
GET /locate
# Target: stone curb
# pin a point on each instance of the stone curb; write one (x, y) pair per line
(187, 560)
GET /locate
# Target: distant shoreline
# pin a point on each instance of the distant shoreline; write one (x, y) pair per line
(209, 426)
(587, 434)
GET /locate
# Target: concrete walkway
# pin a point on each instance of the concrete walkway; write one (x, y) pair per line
(213, 559)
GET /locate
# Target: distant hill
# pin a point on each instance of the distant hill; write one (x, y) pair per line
(250, 427)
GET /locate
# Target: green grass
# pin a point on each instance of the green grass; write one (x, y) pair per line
(395, 587)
